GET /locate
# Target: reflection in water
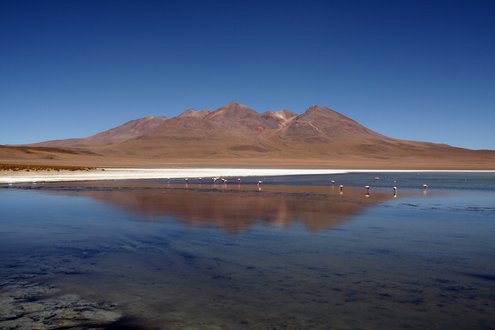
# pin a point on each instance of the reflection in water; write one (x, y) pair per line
(237, 209)
(77, 257)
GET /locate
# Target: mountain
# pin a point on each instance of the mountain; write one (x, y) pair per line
(128, 130)
(238, 135)
(191, 113)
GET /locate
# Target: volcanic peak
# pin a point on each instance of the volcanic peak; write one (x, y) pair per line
(232, 110)
(192, 113)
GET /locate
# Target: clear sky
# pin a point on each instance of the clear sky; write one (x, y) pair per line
(420, 70)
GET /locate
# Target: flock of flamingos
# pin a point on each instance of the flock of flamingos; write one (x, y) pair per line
(332, 181)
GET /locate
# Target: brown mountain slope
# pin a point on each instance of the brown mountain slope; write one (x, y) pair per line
(327, 125)
(128, 130)
(279, 118)
(191, 113)
(323, 128)
(231, 130)
(237, 135)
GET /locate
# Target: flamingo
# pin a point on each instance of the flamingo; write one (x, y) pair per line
(259, 185)
(425, 189)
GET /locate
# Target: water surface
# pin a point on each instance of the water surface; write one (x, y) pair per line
(292, 253)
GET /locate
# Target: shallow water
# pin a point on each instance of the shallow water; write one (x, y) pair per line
(293, 253)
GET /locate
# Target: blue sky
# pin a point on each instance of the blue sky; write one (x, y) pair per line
(420, 70)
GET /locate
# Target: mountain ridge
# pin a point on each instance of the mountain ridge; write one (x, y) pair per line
(237, 133)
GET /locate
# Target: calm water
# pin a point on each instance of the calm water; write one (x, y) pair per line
(295, 254)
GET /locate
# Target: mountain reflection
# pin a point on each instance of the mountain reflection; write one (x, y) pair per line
(235, 208)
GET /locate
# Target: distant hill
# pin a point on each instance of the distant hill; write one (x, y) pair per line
(238, 135)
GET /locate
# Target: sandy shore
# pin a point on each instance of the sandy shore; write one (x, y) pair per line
(173, 173)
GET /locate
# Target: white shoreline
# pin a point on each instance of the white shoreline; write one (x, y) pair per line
(176, 173)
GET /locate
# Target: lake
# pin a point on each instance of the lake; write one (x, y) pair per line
(294, 252)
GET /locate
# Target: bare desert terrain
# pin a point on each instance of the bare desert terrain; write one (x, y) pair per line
(237, 136)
